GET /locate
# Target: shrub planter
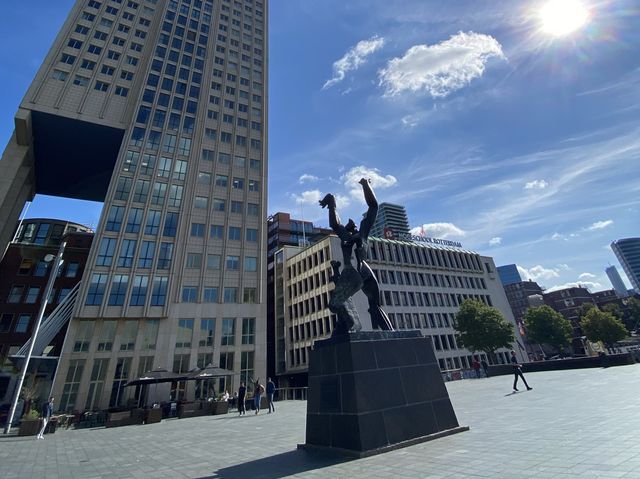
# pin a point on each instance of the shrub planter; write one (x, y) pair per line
(29, 427)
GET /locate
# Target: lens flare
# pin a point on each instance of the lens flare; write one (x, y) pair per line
(562, 17)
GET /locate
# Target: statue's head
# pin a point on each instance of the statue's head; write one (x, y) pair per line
(351, 226)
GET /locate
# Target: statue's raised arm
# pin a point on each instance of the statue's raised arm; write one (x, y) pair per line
(370, 216)
(329, 201)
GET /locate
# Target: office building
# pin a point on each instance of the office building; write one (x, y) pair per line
(158, 108)
(283, 231)
(24, 272)
(616, 281)
(393, 219)
(422, 285)
(627, 250)
(509, 274)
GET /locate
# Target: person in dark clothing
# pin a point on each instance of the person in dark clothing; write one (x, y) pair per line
(47, 412)
(476, 367)
(271, 389)
(517, 372)
(485, 367)
(242, 394)
(258, 391)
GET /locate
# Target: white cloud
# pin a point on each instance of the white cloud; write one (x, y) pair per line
(590, 285)
(307, 178)
(438, 230)
(538, 272)
(496, 240)
(600, 225)
(536, 185)
(351, 178)
(586, 275)
(558, 236)
(351, 60)
(564, 267)
(310, 197)
(442, 68)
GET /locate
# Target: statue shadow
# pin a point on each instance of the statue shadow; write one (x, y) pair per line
(281, 465)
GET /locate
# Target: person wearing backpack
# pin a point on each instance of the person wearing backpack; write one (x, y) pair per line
(271, 389)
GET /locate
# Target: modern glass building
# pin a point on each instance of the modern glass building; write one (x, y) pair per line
(509, 274)
(616, 281)
(627, 251)
(158, 108)
(391, 217)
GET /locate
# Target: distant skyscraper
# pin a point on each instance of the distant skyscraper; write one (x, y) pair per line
(509, 274)
(627, 251)
(393, 217)
(616, 281)
(158, 109)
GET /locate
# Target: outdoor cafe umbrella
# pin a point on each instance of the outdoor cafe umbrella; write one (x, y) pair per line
(209, 372)
(155, 376)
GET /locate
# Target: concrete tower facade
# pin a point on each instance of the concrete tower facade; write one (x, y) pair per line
(616, 281)
(158, 108)
(627, 250)
(393, 217)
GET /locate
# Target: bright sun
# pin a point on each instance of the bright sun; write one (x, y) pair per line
(561, 17)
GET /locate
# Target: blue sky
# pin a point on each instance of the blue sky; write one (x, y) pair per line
(521, 144)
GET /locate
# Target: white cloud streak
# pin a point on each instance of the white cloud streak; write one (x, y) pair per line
(439, 230)
(354, 57)
(600, 225)
(536, 185)
(306, 178)
(586, 275)
(495, 241)
(442, 68)
(590, 285)
(538, 272)
(378, 181)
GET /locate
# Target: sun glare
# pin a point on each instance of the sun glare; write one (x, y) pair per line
(561, 17)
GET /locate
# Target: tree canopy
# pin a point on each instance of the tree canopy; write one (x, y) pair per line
(602, 326)
(546, 326)
(483, 328)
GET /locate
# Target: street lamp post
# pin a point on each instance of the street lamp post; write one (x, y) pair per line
(43, 304)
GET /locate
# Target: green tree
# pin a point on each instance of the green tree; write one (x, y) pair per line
(483, 328)
(633, 308)
(600, 326)
(546, 326)
(585, 308)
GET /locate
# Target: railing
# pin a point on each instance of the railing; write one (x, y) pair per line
(52, 324)
(291, 394)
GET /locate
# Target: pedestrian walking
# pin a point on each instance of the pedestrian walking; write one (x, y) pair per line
(258, 391)
(485, 366)
(476, 367)
(271, 389)
(517, 373)
(242, 394)
(47, 412)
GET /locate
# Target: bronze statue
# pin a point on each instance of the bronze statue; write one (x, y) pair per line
(351, 280)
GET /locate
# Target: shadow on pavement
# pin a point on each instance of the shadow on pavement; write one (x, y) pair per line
(280, 465)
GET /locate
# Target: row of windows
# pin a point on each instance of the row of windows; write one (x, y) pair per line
(41, 268)
(119, 286)
(383, 251)
(194, 261)
(30, 294)
(210, 294)
(206, 334)
(21, 324)
(429, 279)
(128, 247)
(311, 261)
(421, 299)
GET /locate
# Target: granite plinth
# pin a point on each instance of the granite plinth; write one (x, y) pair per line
(374, 391)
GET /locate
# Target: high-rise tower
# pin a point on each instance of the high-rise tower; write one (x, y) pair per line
(392, 217)
(616, 281)
(158, 108)
(627, 251)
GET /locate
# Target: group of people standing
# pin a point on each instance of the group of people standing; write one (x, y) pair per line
(258, 391)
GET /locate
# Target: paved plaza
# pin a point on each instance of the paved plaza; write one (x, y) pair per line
(573, 424)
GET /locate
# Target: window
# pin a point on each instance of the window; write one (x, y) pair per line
(80, 80)
(194, 260)
(41, 269)
(228, 332)
(72, 270)
(218, 204)
(248, 330)
(246, 366)
(22, 325)
(251, 235)
(153, 223)
(165, 255)
(128, 336)
(238, 184)
(197, 230)
(210, 295)
(185, 333)
(207, 330)
(235, 233)
(159, 193)
(113, 55)
(107, 335)
(170, 225)
(164, 167)
(222, 181)
(230, 295)
(127, 251)
(105, 252)
(189, 294)
(5, 322)
(86, 64)
(204, 178)
(253, 209)
(237, 207)
(69, 59)
(32, 295)
(134, 220)
(72, 380)
(96, 289)
(96, 50)
(101, 86)
(119, 285)
(254, 185)
(200, 202)
(59, 75)
(249, 296)
(175, 195)
(139, 290)
(250, 263)
(180, 170)
(123, 188)
(233, 263)
(147, 251)
(159, 291)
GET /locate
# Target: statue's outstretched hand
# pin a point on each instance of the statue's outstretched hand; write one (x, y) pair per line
(364, 181)
(329, 200)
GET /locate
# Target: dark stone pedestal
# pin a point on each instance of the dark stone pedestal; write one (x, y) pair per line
(370, 392)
